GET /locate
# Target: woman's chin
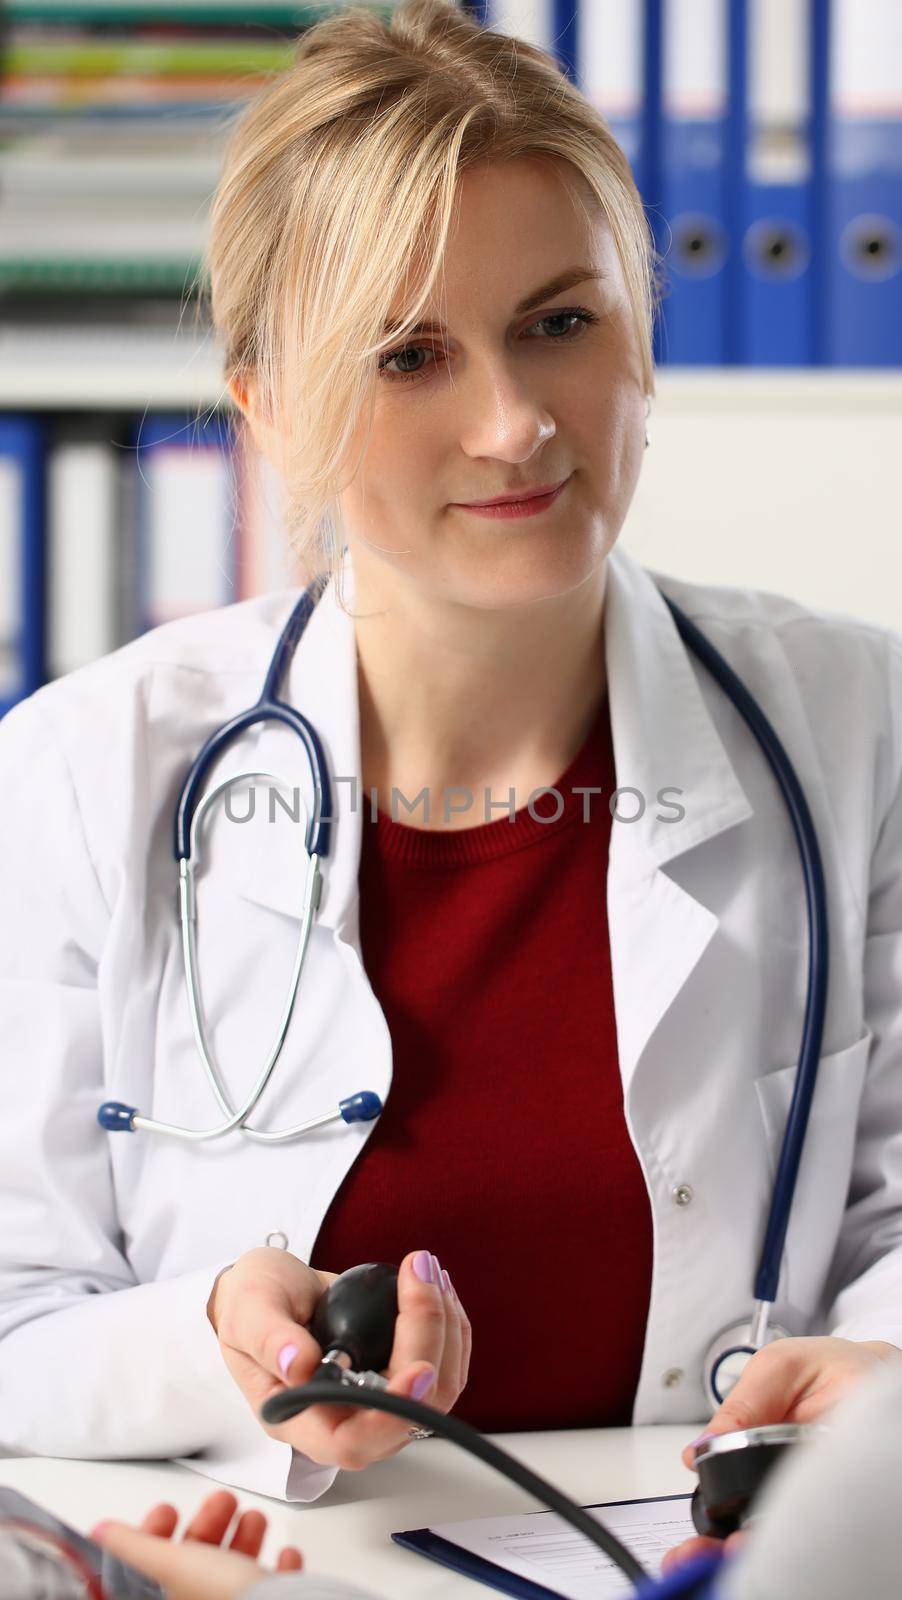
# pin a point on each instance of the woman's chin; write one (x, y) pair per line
(510, 574)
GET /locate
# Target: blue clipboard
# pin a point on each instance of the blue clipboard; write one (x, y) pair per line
(454, 1556)
(460, 1560)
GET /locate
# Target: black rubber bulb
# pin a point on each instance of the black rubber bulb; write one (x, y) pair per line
(357, 1315)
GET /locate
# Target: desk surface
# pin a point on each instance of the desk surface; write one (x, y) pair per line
(346, 1532)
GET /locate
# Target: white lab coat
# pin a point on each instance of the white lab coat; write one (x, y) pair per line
(110, 1242)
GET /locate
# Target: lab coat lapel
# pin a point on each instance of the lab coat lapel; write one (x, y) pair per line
(664, 740)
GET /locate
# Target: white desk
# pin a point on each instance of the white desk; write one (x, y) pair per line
(346, 1532)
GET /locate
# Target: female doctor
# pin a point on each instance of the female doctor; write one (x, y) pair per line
(561, 932)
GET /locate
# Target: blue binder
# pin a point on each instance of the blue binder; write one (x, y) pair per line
(22, 458)
(690, 142)
(863, 292)
(779, 181)
(609, 72)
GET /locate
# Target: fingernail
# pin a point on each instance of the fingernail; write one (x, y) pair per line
(285, 1357)
(422, 1266)
(439, 1277)
(421, 1385)
(449, 1287)
(702, 1439)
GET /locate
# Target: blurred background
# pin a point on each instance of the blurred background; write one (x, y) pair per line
(766, 139)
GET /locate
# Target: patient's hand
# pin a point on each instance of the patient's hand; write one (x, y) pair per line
(199, 1567)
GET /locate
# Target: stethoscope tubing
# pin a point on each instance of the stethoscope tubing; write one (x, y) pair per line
(768, 1274)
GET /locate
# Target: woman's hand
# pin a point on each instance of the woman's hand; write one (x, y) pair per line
(789, 1380)
(794, 1380)
(260, 1308)
(198, 1568)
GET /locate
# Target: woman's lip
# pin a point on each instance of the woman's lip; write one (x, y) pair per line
(504, 510)
(513, 499)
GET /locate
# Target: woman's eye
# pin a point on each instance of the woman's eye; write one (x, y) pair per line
(578, 314)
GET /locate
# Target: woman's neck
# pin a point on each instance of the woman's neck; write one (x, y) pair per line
(453, 697)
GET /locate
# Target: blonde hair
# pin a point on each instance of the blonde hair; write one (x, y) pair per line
(338, 176)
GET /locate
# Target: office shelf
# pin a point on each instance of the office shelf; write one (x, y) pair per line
(187, 12)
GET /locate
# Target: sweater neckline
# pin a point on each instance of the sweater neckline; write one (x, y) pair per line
(593, 765)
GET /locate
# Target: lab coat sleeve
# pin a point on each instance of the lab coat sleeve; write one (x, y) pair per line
(864, 1293)
(93, 1364)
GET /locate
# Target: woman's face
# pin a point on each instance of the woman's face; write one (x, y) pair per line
(494, 399)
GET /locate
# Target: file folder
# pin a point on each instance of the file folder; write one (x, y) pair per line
(84, 537)
(186, 517)
(609, 72)
(22, 452)
(779, 60)
(553, 25)
(863, 293)
(691, 143)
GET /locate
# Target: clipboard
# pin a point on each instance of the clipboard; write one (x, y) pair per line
(448, 1554)
(459, 1560)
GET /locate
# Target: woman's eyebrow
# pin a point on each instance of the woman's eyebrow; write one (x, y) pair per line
(546, 291)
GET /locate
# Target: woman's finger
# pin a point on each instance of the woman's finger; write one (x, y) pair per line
(249, 1534)
(456, 1358)
(422, 1318)
(212, 1517)
(162, 1520)
(466, 1338)
(688, 1550)
(290, 1559)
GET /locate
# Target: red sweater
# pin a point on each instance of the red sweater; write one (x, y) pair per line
(503, 1146)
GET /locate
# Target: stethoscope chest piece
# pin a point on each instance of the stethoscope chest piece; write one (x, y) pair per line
(731, 1469)
(728, 1357)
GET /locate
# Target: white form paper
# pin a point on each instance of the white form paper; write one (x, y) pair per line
(540, 1545)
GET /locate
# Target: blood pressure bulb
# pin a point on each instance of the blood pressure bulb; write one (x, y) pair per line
(356, 1316)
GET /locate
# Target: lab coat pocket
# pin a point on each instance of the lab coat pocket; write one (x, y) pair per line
(826, 1166)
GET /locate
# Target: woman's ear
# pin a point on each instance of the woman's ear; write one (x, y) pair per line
(264, 437)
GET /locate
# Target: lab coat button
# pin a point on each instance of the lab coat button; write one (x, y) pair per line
(672, 1377)
(682, 1195)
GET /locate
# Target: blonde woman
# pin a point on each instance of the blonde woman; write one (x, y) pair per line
(561, 933)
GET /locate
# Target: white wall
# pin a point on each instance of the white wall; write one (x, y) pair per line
(782, 481)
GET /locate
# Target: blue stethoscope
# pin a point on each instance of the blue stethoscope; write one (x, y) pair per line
(733, 1346)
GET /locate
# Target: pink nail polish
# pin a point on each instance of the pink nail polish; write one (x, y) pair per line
(702, 1439)
(422, 1266)
(449, 1287)
(437, 1278)
(421, 1385)
(285, 1357)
